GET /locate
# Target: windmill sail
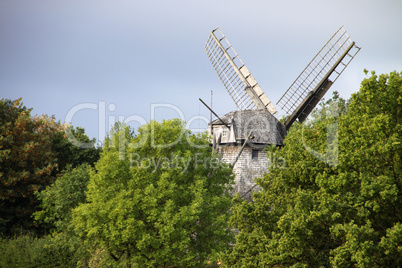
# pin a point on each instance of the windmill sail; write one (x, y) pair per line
(315, 80)
(241, 85)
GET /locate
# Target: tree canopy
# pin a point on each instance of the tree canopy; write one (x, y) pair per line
(158, 198)
(34, 150)
(161, 197)
(338, 201)
(27, 161)
(59, 198)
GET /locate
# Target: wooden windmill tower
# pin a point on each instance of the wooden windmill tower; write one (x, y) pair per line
(241, 136)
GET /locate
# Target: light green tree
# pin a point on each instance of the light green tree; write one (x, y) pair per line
(338, 201)
(160, 198)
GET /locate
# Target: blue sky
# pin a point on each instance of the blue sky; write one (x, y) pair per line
(136, 59)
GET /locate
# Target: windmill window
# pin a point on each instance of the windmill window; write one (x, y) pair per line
(254, 154)
(224, 133)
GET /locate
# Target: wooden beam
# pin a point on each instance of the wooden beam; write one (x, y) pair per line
(242, 148)
(213, 113)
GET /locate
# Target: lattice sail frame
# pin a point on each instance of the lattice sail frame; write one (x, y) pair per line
(241, 85)
(324, 69)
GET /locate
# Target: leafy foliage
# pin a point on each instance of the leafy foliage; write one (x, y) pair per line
(27, 162)
(338, 202)
(159, 198)
(60, 250)
(33, 152)
(68, 153)
(58, 199)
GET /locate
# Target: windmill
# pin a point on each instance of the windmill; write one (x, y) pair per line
(240, 136)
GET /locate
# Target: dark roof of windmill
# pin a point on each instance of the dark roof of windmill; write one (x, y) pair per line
(266, 128)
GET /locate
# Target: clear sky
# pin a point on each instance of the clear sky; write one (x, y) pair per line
(93, 61)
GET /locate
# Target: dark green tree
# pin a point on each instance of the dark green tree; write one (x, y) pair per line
(73, 147)
(27, 163)
(160, 199)
(338, 201)
(33, 152)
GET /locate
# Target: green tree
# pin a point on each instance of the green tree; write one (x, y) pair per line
(33, 152)
(59, 250)
(160, 198)
(61, 247)
(27, 162)
(338, 201)
(59, 199)
(69, 153)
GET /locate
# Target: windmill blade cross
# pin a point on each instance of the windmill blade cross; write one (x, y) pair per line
(319, 75)
(237, 79)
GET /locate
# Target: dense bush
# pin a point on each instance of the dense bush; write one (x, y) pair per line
(49, 251)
